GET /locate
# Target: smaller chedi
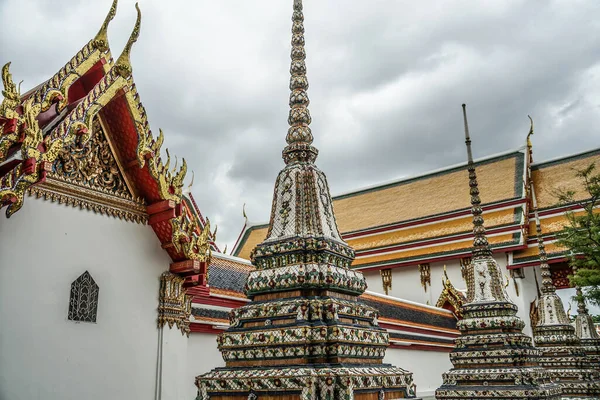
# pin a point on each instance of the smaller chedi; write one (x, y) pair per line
(492, 358)
(304, 336)
(586, 331)
(563, 355)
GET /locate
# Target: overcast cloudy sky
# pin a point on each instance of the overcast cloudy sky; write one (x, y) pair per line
(387, 81)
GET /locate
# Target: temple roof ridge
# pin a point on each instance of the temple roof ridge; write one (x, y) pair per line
(56, 87)
(426, 174)
(232, 258)
(564, 158)
(405, 301)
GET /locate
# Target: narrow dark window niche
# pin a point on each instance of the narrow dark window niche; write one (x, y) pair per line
(83, 303)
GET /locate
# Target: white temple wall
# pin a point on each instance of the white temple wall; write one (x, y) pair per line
(43, 249)
(173, 354)
(427, 367)
(203, 356)
(406, 282)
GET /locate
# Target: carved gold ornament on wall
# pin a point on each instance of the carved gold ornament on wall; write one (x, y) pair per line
(386, 279)
(186, 240)
(91, 164)
(174, 306)
(450, 295)
(425, 272)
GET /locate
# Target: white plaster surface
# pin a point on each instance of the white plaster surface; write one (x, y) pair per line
(427, 367)
(173, 382)
(406, 284)
(203, 356)
(43, 248)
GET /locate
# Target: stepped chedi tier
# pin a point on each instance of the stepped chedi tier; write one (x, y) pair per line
(304, 335)
(492, 358)
(562, 352)
(586, 331)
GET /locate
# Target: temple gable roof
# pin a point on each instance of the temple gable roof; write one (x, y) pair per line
(82, 138)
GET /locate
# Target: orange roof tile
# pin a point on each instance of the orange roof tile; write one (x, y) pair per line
(548, 177)
(422, 197)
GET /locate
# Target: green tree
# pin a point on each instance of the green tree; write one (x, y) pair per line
(581, 236)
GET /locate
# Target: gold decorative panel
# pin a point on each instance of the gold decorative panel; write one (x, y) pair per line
(386, 279)
(175, 306)
(425, 272)
(89, 176)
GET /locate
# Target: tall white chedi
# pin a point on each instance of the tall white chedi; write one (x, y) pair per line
(304, 335)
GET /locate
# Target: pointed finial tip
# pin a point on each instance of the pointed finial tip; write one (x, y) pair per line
(101, 39)
(124, 63)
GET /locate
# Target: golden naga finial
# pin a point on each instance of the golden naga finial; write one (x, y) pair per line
(101, 40)
(32, 133)
(244, 212)
(11, 93)
(445, 278)
(189, 188)
(123, 63)
(170, 186)
(168, 163)
(530, 133)
(225, 250)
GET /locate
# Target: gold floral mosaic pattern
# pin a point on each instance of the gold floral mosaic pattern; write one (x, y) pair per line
(92, 164)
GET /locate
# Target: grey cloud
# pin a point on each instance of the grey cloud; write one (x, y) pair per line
(387, 80)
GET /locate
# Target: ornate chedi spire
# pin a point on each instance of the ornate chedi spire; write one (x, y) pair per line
(563, 356)
(492, 358)
(304, 335)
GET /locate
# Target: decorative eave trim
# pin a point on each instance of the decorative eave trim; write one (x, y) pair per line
(438, 257)
(564, 159)
(517, 234)
(435, 241)
(77, 195)
(432, 219)
(534, 261)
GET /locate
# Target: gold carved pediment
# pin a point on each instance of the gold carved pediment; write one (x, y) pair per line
(90, 176)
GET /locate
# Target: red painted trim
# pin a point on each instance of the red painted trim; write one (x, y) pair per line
(418, 330)
(202, 328)
(422, 347)
(161, 217)
(160, 206)
(534, 240)
(557, 210)
(461, 213)
(536, 263)
(238, 239)
(198, 291)
(409, 263)
(463, 236)
(206, 298)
